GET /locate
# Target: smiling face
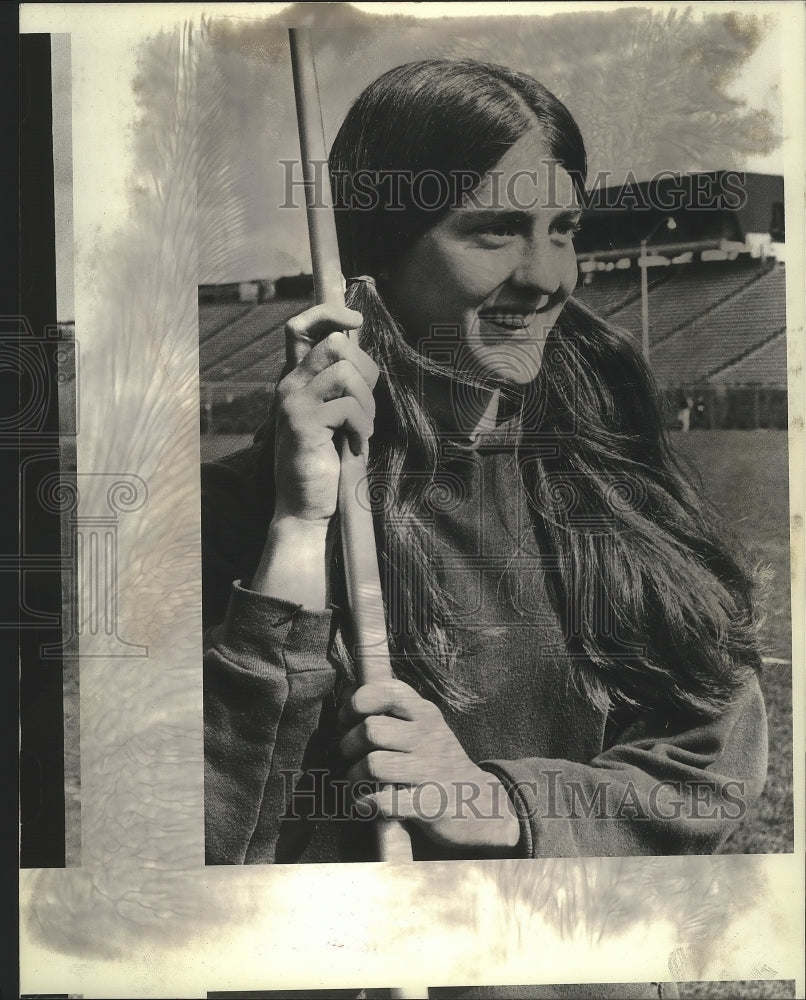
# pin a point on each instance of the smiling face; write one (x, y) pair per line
(498, 269)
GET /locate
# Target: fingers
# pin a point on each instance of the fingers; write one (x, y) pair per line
(335, 367)
(342, 379)
(391, 697)
(304, 330)
(316, 340)
(391, 802)
(377, 732)
(337, 396)
(385, 767)
(426, 802)
(388, 721)
(329, 389)
(347, 414)
(318, 321)
(334, 348)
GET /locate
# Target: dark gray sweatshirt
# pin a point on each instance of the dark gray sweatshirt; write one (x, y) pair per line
(583, 782)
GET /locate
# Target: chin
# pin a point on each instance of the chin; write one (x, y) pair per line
(512, 363)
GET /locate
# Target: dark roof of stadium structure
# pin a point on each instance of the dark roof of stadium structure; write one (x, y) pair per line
(706, 206)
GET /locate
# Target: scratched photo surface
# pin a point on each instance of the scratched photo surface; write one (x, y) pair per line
(181, 252)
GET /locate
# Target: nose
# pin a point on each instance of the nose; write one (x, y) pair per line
(541, 266)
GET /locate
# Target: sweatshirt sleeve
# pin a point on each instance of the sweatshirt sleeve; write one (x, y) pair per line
(659, 789)
(266, 674)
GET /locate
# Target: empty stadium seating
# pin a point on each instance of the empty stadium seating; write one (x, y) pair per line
(677, 293)
(765, 365)
(215, 316)
(724, 333)
(721, 322)
(688, 292)
(252, 344)
(609, 290)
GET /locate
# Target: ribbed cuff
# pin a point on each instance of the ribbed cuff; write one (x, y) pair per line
(257, 627)
(521, 795)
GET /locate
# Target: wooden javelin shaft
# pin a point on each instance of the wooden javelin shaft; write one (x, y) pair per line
(357, 530)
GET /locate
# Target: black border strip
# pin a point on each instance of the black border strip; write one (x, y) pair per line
(41, 701)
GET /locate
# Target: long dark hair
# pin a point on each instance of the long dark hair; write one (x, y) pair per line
(416, 133)
(656, 611)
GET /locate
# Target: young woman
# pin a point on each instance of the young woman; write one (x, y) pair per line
(574, 647)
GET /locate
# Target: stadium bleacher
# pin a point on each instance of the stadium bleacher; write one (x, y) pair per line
(688, 292)
(608, 291)
(215, 316)
(251, 346)
(721, 322)
(724, 333)
(765, 365)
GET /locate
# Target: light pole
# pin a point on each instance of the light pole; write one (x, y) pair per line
(642, 263)
(644, 303)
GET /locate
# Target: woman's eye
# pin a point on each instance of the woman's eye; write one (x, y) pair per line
(567, 228)
(500, 231)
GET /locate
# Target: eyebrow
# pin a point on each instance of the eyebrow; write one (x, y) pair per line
(484, 215)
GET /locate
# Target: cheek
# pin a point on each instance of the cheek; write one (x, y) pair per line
(452, 279)
(441, 287)
(422, 277)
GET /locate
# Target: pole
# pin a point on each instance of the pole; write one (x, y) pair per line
(327, 277)
(644, 302)
(357, 529)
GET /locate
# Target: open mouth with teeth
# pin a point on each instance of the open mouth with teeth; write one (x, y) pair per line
(507, 319)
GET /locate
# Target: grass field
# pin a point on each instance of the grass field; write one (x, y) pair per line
(745, 474)
(758, 989)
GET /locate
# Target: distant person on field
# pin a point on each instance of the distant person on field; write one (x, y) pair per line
(684, 407)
